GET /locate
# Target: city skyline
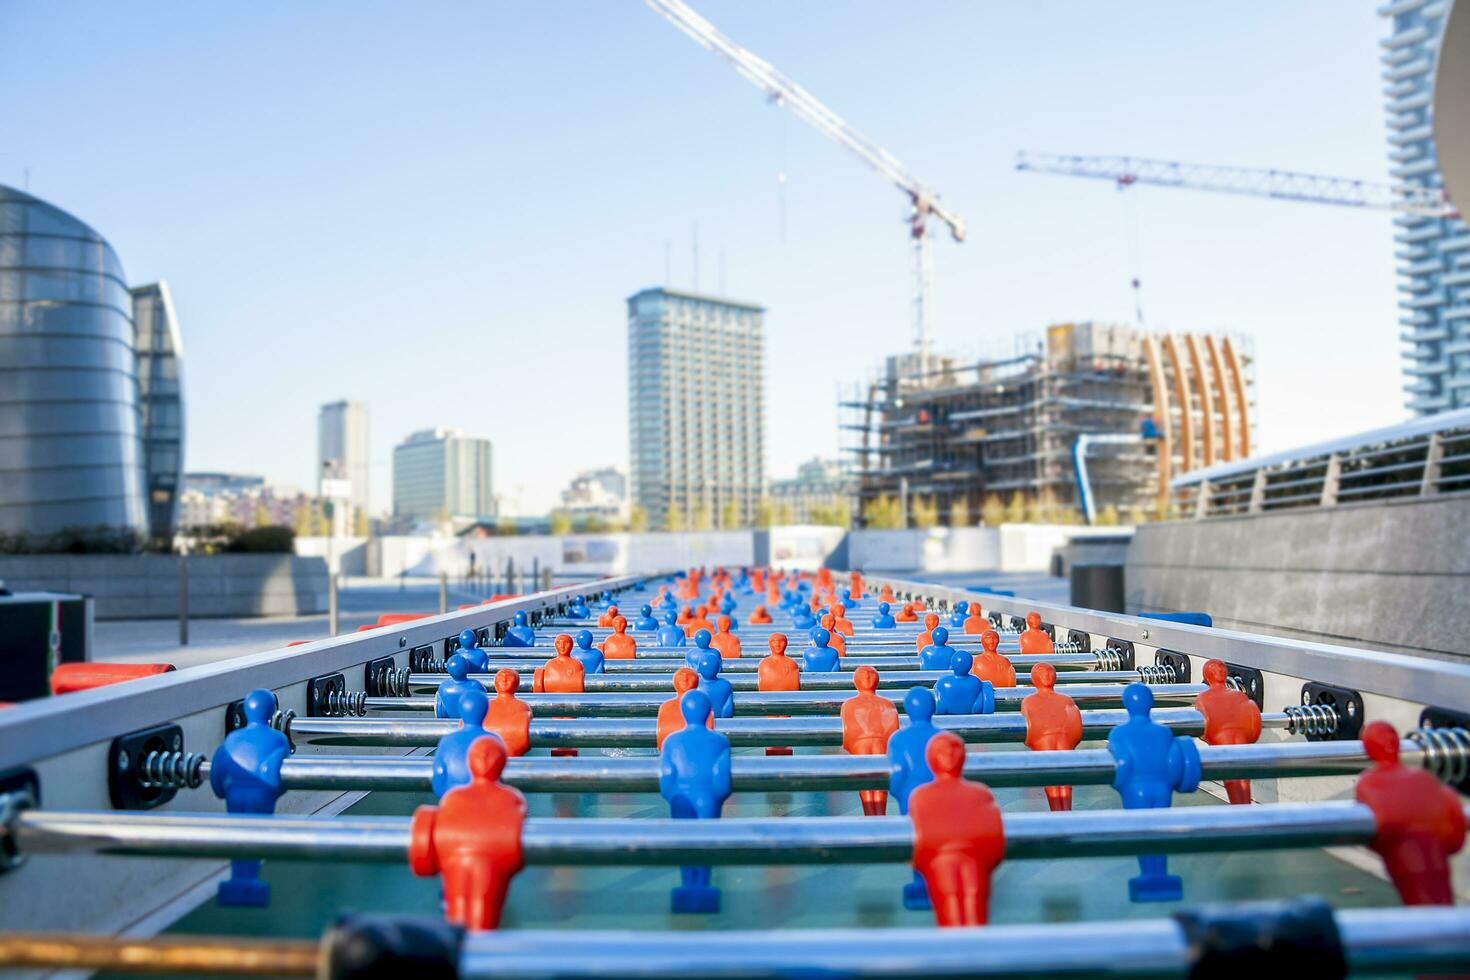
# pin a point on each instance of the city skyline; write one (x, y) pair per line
(287, 182)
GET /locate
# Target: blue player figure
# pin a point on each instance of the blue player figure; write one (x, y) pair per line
(961, 610)
(884, 620)
(939, 654)
(446, 701)
(727, 605)
(721, 695)
(908, 770)
(1152, 765)
(819, 657)
(702, 641)
(694, 776)
(645, 623)
(670, 634)
(670, 604)
(958, 692)
(246, 773)
(603, 601)
(450, 767)
(521, 634)
(802, 617)
(584, 651)
(578, 608)
(469, 648)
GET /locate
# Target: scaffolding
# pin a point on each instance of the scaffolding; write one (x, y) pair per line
(958, 433)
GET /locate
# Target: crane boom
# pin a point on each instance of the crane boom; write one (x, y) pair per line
(810, 109)
(1286, 185)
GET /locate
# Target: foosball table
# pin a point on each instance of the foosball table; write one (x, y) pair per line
(747, 773)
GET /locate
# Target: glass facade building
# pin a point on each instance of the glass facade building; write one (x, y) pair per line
(161, 394)
(696, 405)
(441, 475)
(71, 438)
(1433, 253)
(342, 448)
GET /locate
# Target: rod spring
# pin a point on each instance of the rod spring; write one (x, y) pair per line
(1311, 719)
(1157, 673)
(1067, 647)
(171, 770)
(1446, 752)
(1109, 659)
(341, 704)
(391, 682)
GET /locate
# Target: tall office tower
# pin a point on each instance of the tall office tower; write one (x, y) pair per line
(696, 405)
(443, 475)
(342, 448)
(70, 427)
(1433, 253)
(161, 396)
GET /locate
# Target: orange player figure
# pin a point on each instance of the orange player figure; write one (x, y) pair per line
(840, 622)
(886, 595)
(855, 587)
(1231, 718)
(959, 837)
(472, 839)
(975, 621)
(699, 622)
(619, 645)
(778, 672)
(1053, 724)
(835, 639)
(685, 615)
(724, 641)
(509, 716)
(1419, 822)
(1033, 637)
(867, 723)
(926, 638)
(760, 617)
(992, 665)
(608, 615)
(563, 673)
(670, 718)
(905, 615)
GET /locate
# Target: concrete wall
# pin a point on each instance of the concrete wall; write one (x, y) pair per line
(1388, 575)
(1008, 548)
(147, 586)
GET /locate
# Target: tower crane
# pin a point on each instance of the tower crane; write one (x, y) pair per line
(924, 202)
(1284, 185)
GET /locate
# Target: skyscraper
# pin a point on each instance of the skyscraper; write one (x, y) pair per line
(342, 449)
(1433, 253)
(443, 475)
(696, 405)
(161, 396)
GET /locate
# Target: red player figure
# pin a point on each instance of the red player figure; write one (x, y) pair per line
(472, 839)
(700, 621)
(958, 836)
(608, 615)
(778, 672)
(1053, 724)
(835, 640)
(992, 665)
(563, 674)
(886, 594)
(975, 621)
(509, 716)
(686, 615)
(867, 723)
(840, 621)
(670, 718)
(619, 645)
(931, 620)
(1231, 718)
(724, 641)
(906, 615)
(1033, 637)
(1419, 820)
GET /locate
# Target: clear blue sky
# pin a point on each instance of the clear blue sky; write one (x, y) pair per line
(440, 208)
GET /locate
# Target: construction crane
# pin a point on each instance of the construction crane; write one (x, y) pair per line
(1284, 185)
(924, 203)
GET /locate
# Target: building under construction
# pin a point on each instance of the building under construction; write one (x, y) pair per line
(959, 433)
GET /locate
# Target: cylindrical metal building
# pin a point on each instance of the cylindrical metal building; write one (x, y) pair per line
(70, 433)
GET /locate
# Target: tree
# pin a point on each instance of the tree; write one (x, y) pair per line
(842, 513)
(262, 517)
(561, 522)
(1016, 509)
(595, 524)
(703, 519)
(301, 521)
(1108, 516)
(730, 516)
(637, 519)
(765, 513)
(924, 512)
(993, 512)
(674, 518)
(785, 513)
(959, 512)
(360, 528)
(1137, 516)
(505, 528)
(882, 513)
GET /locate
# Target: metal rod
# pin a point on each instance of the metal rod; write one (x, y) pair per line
(443, 593)
(657, 660)
(332, 607)
(637, 705)
(747, 681)
(209, 955)
(184, 599)
(665, 841)
(1389, 940)
(833, 772)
